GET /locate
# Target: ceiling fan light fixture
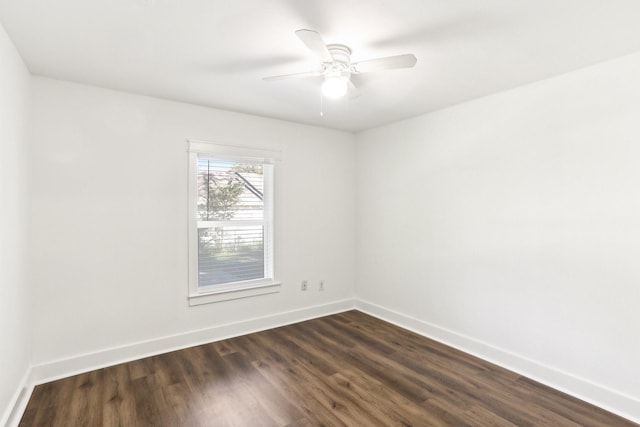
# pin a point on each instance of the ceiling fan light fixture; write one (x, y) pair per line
(334, 87)
(336, 66)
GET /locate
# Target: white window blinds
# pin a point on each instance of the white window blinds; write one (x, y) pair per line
(234, 201)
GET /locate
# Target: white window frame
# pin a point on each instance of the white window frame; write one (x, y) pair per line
(228, 291)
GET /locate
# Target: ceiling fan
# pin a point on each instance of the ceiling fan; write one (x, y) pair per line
(336, 66)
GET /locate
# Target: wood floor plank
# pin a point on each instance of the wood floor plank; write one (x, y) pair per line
(306, 400)
(310, 380)
(118, 401)
(348, 369)
(370, 362)
(388, 405)
(86, 400)
(276, 406)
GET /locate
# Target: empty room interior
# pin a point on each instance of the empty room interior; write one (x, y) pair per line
(297, 213)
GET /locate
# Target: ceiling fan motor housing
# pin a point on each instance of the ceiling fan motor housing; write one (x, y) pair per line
(341, 65)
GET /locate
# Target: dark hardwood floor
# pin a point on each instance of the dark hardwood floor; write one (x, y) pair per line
(346, 369)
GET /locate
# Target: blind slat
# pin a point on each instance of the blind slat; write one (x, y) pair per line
(230, 222)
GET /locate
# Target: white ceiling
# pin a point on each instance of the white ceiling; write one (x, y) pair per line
(215, 53)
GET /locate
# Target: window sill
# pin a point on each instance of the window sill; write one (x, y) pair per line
(235, 291)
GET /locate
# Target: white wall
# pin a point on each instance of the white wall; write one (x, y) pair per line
(15, 328)
(506, 226)
(510, 226)
(109, 217)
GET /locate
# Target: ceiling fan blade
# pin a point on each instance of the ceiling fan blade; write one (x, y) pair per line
(314, 42)
(294, 75)
(353, 91)
(399, 61)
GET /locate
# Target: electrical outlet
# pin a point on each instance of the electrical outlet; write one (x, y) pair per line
(303, 286)
(321, 285)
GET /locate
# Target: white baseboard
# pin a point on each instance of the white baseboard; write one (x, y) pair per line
(13, 413)
(608, 399)
(598, 395)
(112, 356)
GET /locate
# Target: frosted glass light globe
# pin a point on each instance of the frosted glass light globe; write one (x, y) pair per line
(334, 87)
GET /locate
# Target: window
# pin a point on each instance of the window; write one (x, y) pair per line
(231, 223)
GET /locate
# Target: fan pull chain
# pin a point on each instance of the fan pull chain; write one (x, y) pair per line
(321, 105)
